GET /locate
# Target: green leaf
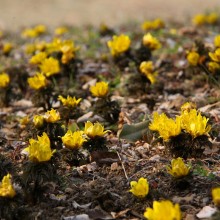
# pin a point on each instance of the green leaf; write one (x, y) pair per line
(134, 132)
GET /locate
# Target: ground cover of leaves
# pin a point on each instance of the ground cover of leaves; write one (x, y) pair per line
(98, 187)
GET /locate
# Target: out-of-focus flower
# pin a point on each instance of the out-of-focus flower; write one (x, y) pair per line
(146, 67)
(4, 80)
(194, 123)
(178, 168)
(193, 58)
(6, 187)
(60, 31)
(34, 32)
(38, 58)
(153, 25)
(140, 188)
(39, 150)
(217, 41)
(164, 210)
(166, 127)
(199, 19)
(212, 18)
(94, 130)
(38, 81)
(216, 196)
(119, 44)
(188, 106)
(7, 47)
(151, 42)
(52, 116)
(100, 89)
(68, 50)
(38, 121)
(215, 56)
(30, 48)
(25, 120)
(73, 140)
(213, 67)
(50, 66)
(70, 102)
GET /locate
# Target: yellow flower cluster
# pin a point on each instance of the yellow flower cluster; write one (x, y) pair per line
(215, 56)
(66, 47)
(34, 32)
(164, 210)
(73, 140)
(165, 126)
(201, 19)
(7, 47)
(94, 130)
(6, 187)
(38, 81)
(38, 121)
(52, 116)
(193, 58)
(100, 89)
(50, 66)
(39, 150)
(119, 44)
(190, 121)
(60, 31)
(4, 80)
(178, 168)
(216, 196)
(140, 188)
(194, 123)
(70, 102)
(147, 68)
(38, 58)
(153, 25)
(151, 42)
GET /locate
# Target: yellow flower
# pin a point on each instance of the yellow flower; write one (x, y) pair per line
(217, 41)
(152, 25)
(7, 47)
(39, 150)
(38, 81)
(199, 19)
(140, 188)
(38, 121)
(146, 67)
(60, 31)
(94, 130)
(6, 187)
(40, 29)
(30, 48)
(34, 32)
(119, 44)
(165, 126)
(50, 66)
(212, 18)
(164, 210)
(213, 67)
(194, 123)
(70, 102)
(52, 116)
(100, 89)
(188, 106)
(193, 58)
(38, 58)
(215, 56)
(151, 42)
(178, 168)
(73, 140)
(4, 80)
(25, 120)
(216, 196)
(68, 51)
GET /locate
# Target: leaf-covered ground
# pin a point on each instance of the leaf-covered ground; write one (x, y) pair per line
(97, 186)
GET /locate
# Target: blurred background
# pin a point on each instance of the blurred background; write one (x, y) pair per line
(15, 14)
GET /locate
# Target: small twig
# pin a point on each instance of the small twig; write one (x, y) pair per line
(123, 167)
